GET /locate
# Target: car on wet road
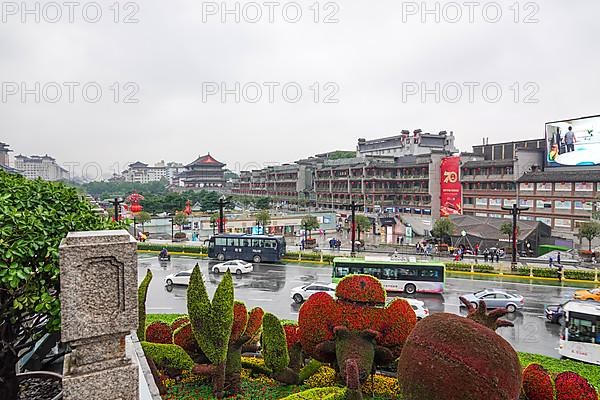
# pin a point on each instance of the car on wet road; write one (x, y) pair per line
(555, 313)
(587, 294)
(497, 298)
(179, 278)
(237, 267)
(302, 293)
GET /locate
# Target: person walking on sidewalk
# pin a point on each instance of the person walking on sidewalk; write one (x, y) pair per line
(559, 272)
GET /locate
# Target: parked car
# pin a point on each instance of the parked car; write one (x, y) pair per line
(497, 298)
(555, 313)
(234, 266)
(179, 278)
(587, 294)
(418, 306)
(302, 293)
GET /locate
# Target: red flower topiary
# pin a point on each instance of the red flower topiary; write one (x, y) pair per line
(292, 333)
(572, 386)
(180, 321)
(159, 332)
(355, 326)
(537, 383)
(361, 289)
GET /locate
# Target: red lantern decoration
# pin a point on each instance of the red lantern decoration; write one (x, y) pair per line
(188, 208)
(134, 201)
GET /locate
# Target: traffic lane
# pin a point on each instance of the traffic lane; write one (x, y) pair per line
(269, 287)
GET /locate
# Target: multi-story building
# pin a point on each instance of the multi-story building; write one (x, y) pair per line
(203, 172)
(4, 159)
(173, 169)
(489, 175)
(417, 143)
(44, 167)
(139, 172)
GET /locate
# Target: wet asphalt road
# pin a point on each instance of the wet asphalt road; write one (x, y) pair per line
(269, 287)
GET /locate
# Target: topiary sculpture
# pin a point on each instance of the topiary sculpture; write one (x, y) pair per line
(246, 326)
(292, 337)
(455, 358)
(179, 322)
(356, 326)
(275, 352)
(211, 324)
(142, 294)
(537, 383)
(572, 386)
(159, 332)
(184, 337)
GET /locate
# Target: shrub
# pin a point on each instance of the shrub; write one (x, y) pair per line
(311, 368)
(379, 385)
(159, 332)
(537, 383)
(455, 358)
(456, 266)
(256, 365)
(274, 349)
(184, 337)
(572, 386)
(142, 293)
(168, 356)
(361, 289)
(179, 322)
(329, 393)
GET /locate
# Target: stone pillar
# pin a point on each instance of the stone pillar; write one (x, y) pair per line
(98, 283)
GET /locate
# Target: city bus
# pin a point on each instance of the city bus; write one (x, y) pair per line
(580, 336)
(395, 275)
(254, 248)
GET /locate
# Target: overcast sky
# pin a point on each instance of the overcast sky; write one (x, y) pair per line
(372, 61)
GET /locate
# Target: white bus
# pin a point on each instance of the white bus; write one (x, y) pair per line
(395, 275)
(580, 336)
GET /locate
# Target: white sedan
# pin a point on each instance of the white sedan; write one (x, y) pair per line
(179, 278)
(301, 293)
(234, 266)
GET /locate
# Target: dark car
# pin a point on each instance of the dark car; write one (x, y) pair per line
(555, 313)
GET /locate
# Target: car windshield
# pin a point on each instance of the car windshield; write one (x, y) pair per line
(595, 291)
(481, 292)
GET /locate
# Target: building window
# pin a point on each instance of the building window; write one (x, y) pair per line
(543, 204)
(495, 202)
(526, 203)
(584, 187)
(547, 221)
(544, 187)
(526, 187)
(562, 205)
(481, 202)
(562, 223)
(563, 187)
(509, 202)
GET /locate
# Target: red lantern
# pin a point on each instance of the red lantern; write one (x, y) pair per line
(134, 201)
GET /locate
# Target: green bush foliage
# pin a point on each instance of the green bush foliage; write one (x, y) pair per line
(168, 356)
(35, 215)
(456, 266)
(311, 368)
(309, 256)
(555, 366)
(173, 248)
(274, 349)
(325, 393)
(142, 293)
(211, 322)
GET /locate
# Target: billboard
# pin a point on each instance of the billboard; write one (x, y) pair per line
(573, 142)
(450, 187)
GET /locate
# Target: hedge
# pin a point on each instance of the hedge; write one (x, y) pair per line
(173, 248)
(331, 393)
(274, 349)
(455, 266)
(584, 275)
(142, 294)
(168, 356)
(310, 256)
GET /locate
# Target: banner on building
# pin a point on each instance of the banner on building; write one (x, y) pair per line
(450, 188)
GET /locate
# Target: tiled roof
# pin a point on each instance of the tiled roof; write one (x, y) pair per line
(560, 175)
(206, 160)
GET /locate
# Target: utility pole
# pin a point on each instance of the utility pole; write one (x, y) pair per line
(353, 207)
(515, 210)
(222, 203)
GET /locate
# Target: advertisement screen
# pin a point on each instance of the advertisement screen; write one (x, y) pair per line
(573, 142)
(450, 188)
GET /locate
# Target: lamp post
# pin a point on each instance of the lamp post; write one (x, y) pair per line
(116, 203)
(222, 202)
(515, 210)
(172, 220)
(353, 207)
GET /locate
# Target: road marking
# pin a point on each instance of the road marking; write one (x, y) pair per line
(260, 299)
(160, 308)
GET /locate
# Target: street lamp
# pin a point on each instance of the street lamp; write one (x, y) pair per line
(515, 210)
(222, 202)
(353, 207)
(117, 203)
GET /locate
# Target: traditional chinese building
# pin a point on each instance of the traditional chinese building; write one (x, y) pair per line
(204, 172)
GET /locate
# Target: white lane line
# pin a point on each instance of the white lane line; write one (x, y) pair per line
(160, 308)
(260, 299)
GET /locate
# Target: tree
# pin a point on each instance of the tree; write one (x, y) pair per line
(309, 223)
(507, 229)
(142, 217)
(180, 219)
(262, 203)
(363, 224)
(263, 218)
(590, 231)
(35, 216)
(214, 220)
(442, 228)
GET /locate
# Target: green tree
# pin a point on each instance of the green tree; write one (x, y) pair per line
(263, 218)
(262, 203)
(506, 228)
(143, 217)
(35, 216)
(214, 220)
(363, 224)
(442, 229)
(180, 219)
(309, 223)
(590, 231)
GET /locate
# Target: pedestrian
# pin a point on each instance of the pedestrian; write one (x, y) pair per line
(559, 272)
(401, 240)
(398, 240)
(550, 262)
(558, 257)
(497, 257)
(493, 255)
(476, 250)
(396, 254)
(486, 255)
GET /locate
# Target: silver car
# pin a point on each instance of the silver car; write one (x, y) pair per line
(497, 298)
